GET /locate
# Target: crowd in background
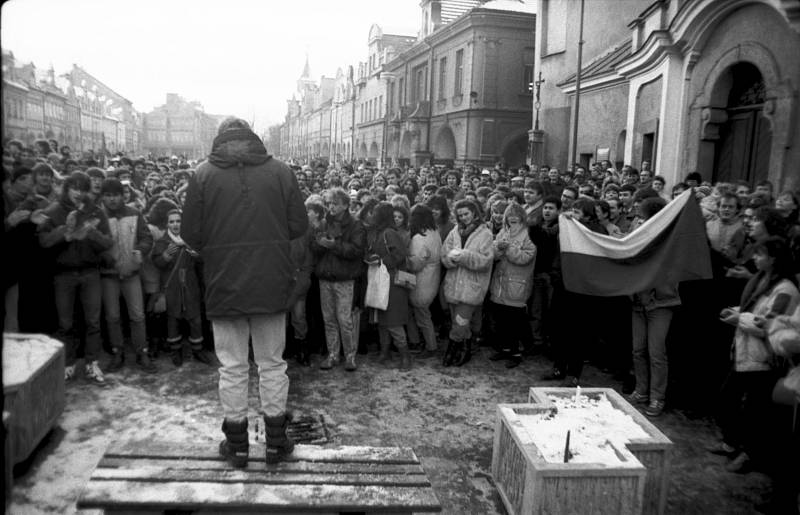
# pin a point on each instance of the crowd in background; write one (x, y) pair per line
(95, 256)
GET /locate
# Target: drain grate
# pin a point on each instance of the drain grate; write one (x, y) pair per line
(306, 429)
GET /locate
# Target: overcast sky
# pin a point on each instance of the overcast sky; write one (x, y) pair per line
(240, 57)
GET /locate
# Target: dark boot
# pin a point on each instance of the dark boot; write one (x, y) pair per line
(117, 361)
(385, 355)
(303, 354)
(466, 352)
(145, 363)
(205, 356)
(176, 354)
(279, 445)
(235, 447)
(405, 358)
(452, 353)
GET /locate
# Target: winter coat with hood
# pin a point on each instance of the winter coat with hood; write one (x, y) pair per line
(467, 281)
(512, 281)
(424, 259)
(242, 210)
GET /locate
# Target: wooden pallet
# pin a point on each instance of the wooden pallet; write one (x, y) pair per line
(154, 477)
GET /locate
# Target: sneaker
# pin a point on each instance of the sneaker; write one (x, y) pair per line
(94, 374)
(327, 363)
(350, 364)
(144, 362)
(654, 409)
(638, 398)
(69, 372)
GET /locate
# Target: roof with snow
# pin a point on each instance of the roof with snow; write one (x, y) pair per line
(511, 5)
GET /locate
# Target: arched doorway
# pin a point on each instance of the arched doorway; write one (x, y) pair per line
(362, 150)
(373, 151)
(445, 147)
(742, 151)
(405, 145)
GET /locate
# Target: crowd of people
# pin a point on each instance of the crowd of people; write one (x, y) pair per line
(473, 260)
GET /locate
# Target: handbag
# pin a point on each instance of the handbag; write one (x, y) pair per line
(378, 283)
(405, 279)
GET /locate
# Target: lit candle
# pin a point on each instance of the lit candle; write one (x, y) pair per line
(577, 394)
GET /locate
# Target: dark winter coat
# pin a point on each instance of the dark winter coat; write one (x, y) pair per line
(179, 280)
(303, 262)
(75, 254)
(242, 210)
(390, 246)
(343, 261)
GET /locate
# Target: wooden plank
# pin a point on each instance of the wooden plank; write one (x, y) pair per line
(254, 497)
(256, 463)
(158, 474)
(209, 451)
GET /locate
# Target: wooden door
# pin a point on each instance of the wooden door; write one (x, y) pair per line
(743, 148)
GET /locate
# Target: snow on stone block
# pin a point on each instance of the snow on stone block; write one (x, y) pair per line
(33, 389)
(530, 483)
(650, 446)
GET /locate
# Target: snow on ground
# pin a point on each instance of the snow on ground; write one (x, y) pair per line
(447, 415)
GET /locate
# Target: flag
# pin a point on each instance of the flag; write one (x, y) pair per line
(668, 248)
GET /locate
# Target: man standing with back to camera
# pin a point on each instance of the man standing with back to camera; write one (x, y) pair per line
(242, 209)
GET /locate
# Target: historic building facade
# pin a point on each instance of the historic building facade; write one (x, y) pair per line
(687, 85)
(458, 92)
(74, 108)
(179, 128)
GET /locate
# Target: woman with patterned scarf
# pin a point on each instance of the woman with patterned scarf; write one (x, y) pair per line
(467, 254)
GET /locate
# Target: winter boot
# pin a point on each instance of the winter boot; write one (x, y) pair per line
(117, 360)
(279, 445)
(145, 363)
(452, 353)
(176, 352)
(385, 355)
(405, 358)
(205, 356)
(303, 354)
(235, 446)
(466, 352)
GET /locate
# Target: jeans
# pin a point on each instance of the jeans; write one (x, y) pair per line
(650, 351)
(388, 333)
(421, 321)
(131, 290)
(540, 306)
(87, 284)
(298, 319)
(336, 298)
(268, 333)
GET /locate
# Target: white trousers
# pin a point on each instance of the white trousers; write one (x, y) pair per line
(268, 333)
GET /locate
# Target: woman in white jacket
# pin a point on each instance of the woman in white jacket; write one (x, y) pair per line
(468, 255)
(424, 260)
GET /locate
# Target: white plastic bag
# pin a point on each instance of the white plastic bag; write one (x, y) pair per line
(377, 287)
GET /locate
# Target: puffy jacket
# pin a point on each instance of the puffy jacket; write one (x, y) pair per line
(424, 259)
(512, 281)
(242, 210)
(467, 281)
(345, 260)
(751, 351)
(130, 233)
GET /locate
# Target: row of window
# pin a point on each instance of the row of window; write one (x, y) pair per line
(372, 109)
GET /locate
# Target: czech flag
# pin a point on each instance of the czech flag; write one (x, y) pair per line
(670, 247)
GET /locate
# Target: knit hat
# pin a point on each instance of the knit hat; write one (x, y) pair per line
(20, 171)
